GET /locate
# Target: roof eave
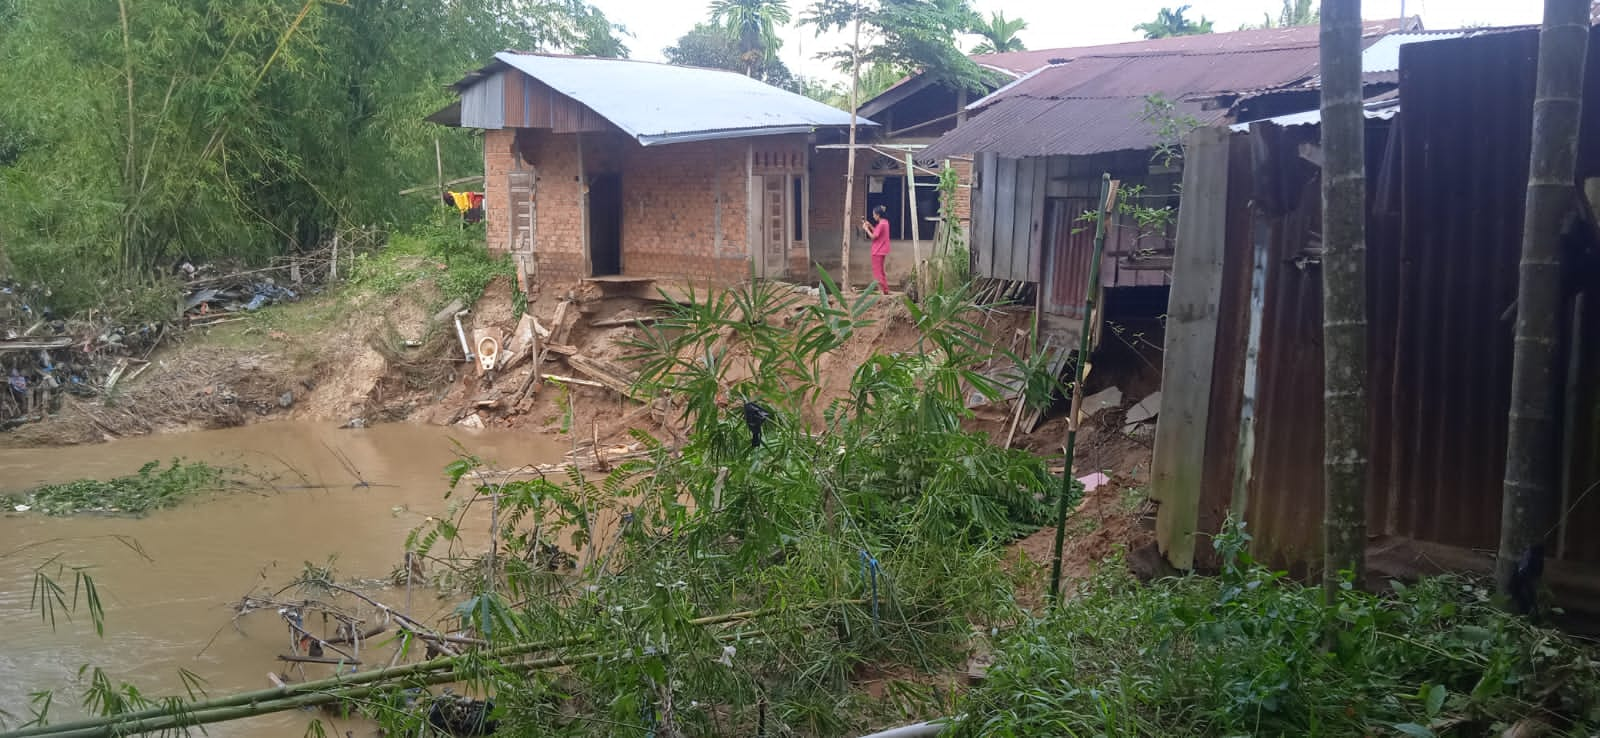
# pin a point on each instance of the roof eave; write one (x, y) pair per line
(677, 137)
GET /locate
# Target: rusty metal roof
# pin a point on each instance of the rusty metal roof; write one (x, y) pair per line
(1015, 64)
(1092, 100)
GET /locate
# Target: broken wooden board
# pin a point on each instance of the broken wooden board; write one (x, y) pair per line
(24, 344)
(616, 378)
(560, 326)
(638, 320)
(571, 380)
(449, 311)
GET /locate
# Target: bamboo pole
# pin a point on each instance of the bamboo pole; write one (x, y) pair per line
(916, 242)
(1108, 195)
(850, 163)
(295, 691)
(179, 720)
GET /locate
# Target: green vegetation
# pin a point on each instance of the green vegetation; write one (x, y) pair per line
(911, 34)
(441, 249)
(153, 487)
(1244, 654)
(1170, 22)
(999, 34)
(147, 133)
(868, 533)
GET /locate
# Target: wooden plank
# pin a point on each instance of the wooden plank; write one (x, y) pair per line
(571, 380)
(1180, 444)
(616, 378)
(640, 320)
(1005, 215)
(1035, 246)
(1022, 214)
(982, 236)
(560, 327)
(27, 344)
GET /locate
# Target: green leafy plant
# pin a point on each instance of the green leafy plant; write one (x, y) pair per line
(1245, 653)
(153, 487)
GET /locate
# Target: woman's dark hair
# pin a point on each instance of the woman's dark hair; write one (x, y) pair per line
(879, 211)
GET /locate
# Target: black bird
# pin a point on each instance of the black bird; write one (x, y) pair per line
(755, 416)
(1525, 579)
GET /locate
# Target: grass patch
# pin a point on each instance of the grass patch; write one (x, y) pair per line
(153, 487)
(1249, 653)
(442, 250)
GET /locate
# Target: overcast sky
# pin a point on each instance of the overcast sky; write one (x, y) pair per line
(656, 24)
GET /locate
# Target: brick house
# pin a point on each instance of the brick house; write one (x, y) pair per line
(612, 168)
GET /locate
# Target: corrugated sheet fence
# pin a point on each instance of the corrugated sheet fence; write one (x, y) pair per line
(1445, 189)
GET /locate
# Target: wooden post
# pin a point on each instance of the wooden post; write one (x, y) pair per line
(916, 241)
(438, 163)
(1176, 469)
(850, 163)
(333, 268)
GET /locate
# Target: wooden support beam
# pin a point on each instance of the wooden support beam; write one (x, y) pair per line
(1180, 446)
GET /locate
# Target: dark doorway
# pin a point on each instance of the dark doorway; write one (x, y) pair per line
(605, 225)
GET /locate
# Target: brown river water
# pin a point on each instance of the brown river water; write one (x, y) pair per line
(173, 610)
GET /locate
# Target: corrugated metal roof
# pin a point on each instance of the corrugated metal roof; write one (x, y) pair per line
(1015, 64)
(1095, 100)
(1380, 108)
(1020, 62)
(664, 103)
(1025, 126)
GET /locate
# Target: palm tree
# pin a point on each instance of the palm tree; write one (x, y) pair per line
(754, 25)
(1171, 22)
(999, 34)
(1294, 13)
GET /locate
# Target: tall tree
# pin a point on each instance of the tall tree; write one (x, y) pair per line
(914, 34)
(1344, 296)
(1531, 442)
(205, 128)
(906, 34)
(999, 34)
(1171, 22)
(710, 46)
(1294, 13)
(753, 25)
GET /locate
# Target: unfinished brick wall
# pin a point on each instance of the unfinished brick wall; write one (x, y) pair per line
(499, 158)
(827, 206)
(685, 211)
(676, 200)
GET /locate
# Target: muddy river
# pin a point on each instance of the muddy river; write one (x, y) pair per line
(173, 610)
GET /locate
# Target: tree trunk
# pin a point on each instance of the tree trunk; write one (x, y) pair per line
(850, 163)
(1531, 459)
(1344, 296)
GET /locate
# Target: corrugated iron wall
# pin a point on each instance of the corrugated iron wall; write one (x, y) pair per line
(1069, 246)
(1466, 142)
(1446, 182)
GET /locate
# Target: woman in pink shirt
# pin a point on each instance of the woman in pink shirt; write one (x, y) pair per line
(878, 230)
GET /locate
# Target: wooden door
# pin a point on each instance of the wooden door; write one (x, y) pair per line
(776, 211)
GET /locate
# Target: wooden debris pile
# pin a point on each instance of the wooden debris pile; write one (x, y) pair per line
(44, 356)
(535, 343)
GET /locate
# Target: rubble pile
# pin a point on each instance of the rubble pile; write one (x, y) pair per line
(44, 356)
